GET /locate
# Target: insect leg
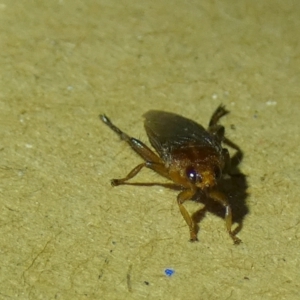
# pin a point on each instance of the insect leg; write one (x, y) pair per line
(219, 197)
(139, 147)
(237, 157)
(227, 160)
(217, 130)
(219, 113)
(152, 160)
(182, 197)
(131, 174)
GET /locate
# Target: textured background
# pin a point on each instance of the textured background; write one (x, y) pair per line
(65, 233)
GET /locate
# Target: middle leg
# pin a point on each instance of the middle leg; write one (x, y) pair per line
(220, 197)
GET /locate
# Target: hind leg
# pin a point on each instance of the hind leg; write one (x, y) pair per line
(152, 160)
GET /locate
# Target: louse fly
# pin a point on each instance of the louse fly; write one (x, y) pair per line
(187, 154)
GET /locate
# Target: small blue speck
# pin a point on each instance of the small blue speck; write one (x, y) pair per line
(169, 272)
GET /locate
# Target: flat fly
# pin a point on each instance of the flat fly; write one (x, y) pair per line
(187, 154)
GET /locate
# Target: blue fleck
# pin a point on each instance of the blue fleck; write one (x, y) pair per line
(169, 272)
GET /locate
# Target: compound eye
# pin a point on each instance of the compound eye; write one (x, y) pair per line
(192, 175)
(217, 172)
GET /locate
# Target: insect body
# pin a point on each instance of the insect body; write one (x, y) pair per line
(189, 155)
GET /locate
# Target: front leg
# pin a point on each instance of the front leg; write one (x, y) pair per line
(220, 197)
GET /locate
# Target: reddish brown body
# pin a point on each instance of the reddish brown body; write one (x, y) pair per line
(189, 155)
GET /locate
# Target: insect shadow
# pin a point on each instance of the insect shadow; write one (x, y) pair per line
(234, 186)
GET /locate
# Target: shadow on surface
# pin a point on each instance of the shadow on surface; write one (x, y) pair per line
(234, 186)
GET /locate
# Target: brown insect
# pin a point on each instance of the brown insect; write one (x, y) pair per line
(192, 157)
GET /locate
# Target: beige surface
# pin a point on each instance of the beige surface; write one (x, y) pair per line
(65, 232)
